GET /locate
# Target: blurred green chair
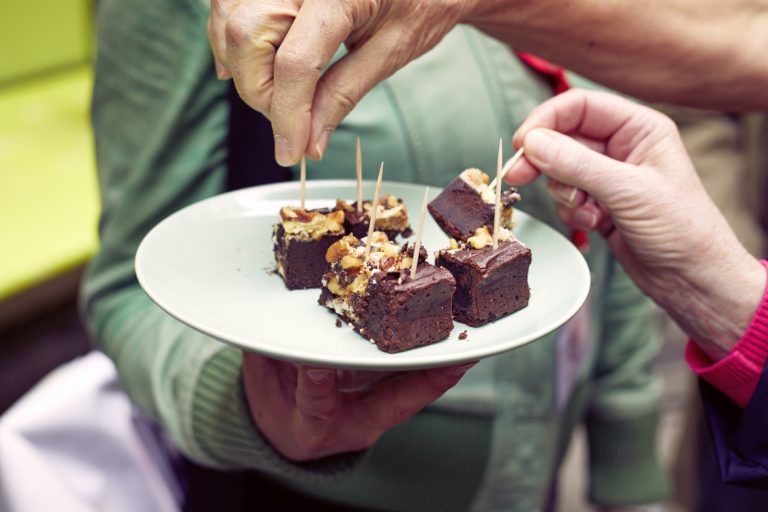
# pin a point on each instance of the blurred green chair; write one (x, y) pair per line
(48, 189)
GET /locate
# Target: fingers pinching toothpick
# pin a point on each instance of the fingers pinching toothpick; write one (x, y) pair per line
(509, 165)
(419, 232)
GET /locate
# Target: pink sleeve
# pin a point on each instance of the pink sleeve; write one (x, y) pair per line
(737, 374)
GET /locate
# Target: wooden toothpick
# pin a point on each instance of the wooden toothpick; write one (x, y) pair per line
(372, 216)
(359, 165)
(509, 165)
(419, 232)
(497, 209)
(303, 190)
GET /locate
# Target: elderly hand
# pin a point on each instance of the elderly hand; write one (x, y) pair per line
(620, 168)
(276, 51)
(308, 413)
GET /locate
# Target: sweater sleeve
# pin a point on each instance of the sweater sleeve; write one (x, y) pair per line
(624, 410)
(160, 121)
(737, 374)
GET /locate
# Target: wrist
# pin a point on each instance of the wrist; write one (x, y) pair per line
(714, 302)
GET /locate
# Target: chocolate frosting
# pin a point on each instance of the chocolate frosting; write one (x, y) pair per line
(487, 259)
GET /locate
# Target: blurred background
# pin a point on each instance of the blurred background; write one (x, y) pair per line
(48, 188)
(49, 216)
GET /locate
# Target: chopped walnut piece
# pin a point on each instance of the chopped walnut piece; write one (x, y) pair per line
(481, 238)
(315, 224)
(475, 177)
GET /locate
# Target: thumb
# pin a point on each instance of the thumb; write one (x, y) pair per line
(570, 162)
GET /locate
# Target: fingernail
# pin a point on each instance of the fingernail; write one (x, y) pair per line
(540, 147)
(322, 142)
(283, 151)
(221, 70)
(317, 376)
(567, 194)
(585, 218)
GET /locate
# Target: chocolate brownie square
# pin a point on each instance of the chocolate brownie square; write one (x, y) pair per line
(490, 283)
(391, 217)
(467, 203)
(381, 300)
(300, 242)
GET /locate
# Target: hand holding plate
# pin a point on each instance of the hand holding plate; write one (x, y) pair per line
(307, 412)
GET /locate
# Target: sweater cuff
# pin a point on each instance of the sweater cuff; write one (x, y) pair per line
(623, 465)
(226, 436)
(737, 374)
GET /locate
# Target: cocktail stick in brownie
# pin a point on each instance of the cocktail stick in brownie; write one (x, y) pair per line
(378, 297)
(391, 217)
(467, 203)
(301, 240)
(490, 283)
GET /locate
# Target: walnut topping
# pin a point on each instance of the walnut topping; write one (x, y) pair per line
(478, 180)
(351, 271)
(340, 248)
(484, 238)
(311, 224)
(481, 238)
(475, 177)
(344, 206)
(348, 261)
(391, 213)
(506, 217)
(379, 238)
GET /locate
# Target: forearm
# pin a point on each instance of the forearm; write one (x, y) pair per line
(704, 54)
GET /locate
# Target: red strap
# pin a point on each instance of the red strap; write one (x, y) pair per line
(555, 74)
(559, 83)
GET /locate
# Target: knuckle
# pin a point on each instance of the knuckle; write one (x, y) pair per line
(577, 159)
(256, 95)
(316, 409)
(316, 416)
(238, 30)
(294, 65)
(666, 124)
(344, 98)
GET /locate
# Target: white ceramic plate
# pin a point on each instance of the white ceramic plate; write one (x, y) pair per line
(210, 266)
